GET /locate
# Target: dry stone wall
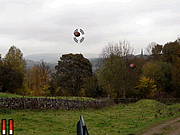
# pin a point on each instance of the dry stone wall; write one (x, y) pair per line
(46, 103)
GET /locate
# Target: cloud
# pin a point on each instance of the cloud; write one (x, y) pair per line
(47, 26)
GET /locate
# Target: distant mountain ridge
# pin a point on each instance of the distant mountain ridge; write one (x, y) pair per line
(54, 57)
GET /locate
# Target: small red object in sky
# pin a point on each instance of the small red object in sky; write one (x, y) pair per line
(77, 34)
(132, 65)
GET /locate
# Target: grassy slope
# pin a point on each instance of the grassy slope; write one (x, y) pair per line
(19, 96)
(115, 120)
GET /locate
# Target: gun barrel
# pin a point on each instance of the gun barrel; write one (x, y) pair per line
(81, 127)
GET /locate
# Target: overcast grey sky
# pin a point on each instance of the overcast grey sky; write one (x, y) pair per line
(46, 26)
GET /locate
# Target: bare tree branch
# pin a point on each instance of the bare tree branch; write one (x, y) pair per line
(150, 47)
(123, 50)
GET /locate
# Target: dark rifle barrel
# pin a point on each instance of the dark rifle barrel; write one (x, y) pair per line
(82, 124)
(81, 127)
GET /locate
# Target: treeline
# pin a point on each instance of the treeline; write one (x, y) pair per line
(155, 76)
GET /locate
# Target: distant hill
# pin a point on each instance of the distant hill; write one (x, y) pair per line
(31, 63)
(54, 57)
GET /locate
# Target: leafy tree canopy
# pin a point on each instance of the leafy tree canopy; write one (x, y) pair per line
(72, 69)
(10, 79)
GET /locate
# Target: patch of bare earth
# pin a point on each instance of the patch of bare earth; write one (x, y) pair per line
(171, 127)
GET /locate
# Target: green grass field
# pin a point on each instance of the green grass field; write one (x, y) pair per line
(19, 96)
(115, 120)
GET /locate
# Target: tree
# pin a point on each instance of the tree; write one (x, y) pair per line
(172, 54)
(157, 49)
(112, 74)
(154, 50)
(166, 78)
(134, 75)
(150, 47)
(160, 72)
(1, 61)
(34, 81)
(113, 71)
(44, 71)
(157, 52)
(176, 76)
(171, 51)
(91, 87)
(10, 79)
(38, 79)
(53, 84)
(71, 71)
(14, 58)
(146, 88)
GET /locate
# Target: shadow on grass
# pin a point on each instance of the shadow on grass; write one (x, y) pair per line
(5, 111)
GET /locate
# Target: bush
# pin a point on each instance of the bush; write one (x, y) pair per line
(146, 88)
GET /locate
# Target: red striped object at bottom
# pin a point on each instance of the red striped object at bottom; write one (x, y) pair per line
(11, 127)
(3, 125)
